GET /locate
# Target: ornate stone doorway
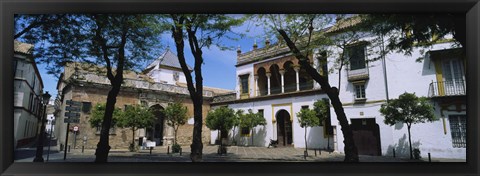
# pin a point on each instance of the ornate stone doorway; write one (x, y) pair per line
(156, 132)
(284, 128)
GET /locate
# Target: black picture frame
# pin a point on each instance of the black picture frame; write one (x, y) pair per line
(8, 8)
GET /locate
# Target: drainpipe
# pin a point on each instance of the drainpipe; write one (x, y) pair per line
(384, 68)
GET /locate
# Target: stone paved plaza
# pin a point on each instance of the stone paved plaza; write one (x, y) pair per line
(234, 154)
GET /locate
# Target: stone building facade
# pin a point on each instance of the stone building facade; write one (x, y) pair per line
(82, 83)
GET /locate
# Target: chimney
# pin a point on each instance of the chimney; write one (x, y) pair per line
(255, 46)
(267, 41)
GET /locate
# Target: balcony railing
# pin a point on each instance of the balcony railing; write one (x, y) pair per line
(357, 74)
(447, 88)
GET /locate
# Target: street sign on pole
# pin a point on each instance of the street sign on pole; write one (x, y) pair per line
(74, 103)
(72, 108)
(71, 120)
(72, 114)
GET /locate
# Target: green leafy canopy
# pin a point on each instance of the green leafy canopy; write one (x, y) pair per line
(409, 109)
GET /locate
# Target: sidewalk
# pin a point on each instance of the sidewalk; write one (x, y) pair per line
(234, 154)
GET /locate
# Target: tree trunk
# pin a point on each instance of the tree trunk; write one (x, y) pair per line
(351, 153)
(197, 146)
(175, 142)
(133, 135)
(410, 141)
(103, 147)
(306, 150)
(252, 135)
(116, 81)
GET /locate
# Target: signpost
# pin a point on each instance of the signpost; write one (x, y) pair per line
(72, 116)
(75, 129)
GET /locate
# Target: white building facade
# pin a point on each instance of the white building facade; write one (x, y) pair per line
(28, 87)
(270, 80)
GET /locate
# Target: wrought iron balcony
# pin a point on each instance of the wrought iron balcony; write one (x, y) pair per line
(358, 74)
(447, 88)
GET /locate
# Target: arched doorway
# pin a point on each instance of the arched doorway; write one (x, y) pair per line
(284, 128)
(155, 133)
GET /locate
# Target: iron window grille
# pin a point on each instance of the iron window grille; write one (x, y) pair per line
(458, 129)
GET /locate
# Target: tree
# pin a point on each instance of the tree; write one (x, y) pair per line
(297, 32)
(321, 108)
(135, 117)
(200, 30)
(236, 123)
(98, 112)
(408, 109)
(176, 116)
(117, 42)
(252, 120)
(307, 118)
(222, 119)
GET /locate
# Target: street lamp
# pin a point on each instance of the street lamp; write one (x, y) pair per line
(39, 153)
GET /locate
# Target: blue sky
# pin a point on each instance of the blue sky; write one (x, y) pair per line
(219, 66)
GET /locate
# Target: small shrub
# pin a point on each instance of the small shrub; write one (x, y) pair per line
(176, 148)
(416, 153)
(132, 147)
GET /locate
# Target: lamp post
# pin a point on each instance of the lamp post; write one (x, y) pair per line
(39, 153)
(50, 138)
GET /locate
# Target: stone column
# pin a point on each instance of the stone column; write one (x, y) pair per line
(282, 73)
(257, 91)
(268, 82)
(297, 70)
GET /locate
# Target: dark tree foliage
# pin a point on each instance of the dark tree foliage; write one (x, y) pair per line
(417, 29)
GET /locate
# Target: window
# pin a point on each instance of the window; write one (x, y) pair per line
(30, 102)
(260, 111)
(244, 83)
(453, 77)
(360, 91)
(458, 129)
(305, 107)
(86, 107)
(356, 56)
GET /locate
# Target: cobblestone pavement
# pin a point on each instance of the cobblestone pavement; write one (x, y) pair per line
(234, 154)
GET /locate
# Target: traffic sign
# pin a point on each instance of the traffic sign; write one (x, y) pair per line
(72, 120)
(72, 108)
(72, 114)
(75, 128)
(74, 103)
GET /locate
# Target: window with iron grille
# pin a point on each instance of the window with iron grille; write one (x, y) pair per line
(244, 83)
(458, 129)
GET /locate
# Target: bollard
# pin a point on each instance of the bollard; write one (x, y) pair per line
(394, 153)
(151, 150)
(319, 152)
(61, 147)
(168, 149)
(305, 155)
(429, 158)
(315, 152)
(83, 147)
(180, 151)
(68, 148)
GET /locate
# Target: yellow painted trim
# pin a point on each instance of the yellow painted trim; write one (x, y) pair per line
(444, 126)
(438, 72)
(284, 104)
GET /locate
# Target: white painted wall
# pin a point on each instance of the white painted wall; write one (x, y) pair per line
(163, 75)
(262, 136)
(404, 75)
(25, 123)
